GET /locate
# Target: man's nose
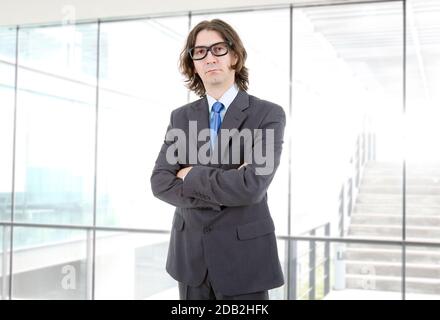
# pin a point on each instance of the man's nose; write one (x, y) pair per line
(210, 57)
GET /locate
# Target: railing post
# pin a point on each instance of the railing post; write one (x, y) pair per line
(341, 211)
(4, 263)
(364, 148)
(312, 268)
(350, 196)
(292, 285)
(370, 151)
(327, 261)
(373, 156)
(89, 265)
(357, 161)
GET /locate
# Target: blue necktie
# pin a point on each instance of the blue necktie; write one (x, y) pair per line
(216, 120)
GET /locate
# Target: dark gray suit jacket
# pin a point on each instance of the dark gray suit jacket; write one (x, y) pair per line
(222, 221)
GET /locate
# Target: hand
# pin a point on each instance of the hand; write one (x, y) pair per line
(242, 166)
(183, 172)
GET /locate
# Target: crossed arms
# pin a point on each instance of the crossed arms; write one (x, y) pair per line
(210, 188)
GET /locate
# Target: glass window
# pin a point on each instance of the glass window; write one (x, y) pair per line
(337, 271)
(4, 262)
(55, 261)
(346, 130)
(421, 120)
(280, 293)
(7, 44)
(6, 138)
(422, 273)
(67, 51)
(132, 266)
(139, 86)
(7, 84)
(55, 144)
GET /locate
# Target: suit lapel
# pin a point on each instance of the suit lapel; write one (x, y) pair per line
(235, 116)
(201, 115)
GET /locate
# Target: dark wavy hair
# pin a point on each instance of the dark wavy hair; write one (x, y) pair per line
(186, 65)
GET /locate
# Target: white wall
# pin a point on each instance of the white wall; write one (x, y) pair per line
(13, 12)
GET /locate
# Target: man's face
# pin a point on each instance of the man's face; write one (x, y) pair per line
(214, 71)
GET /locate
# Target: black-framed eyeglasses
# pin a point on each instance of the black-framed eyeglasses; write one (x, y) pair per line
(218, 49)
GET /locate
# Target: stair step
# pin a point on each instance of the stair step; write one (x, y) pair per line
(392, 180)
(393, 231)
(410, 209)
(389, 199)
(420, 241)
(395, 220)
(398, 173)
(387, 283)
(392, 255)
(394, 165)
(378, 215)
(397, 168)
(427, 249)
(398, 190)
(393, 269)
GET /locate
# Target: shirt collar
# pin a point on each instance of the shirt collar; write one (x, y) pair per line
(226, 99)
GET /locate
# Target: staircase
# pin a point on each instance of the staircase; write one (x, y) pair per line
(378, 214)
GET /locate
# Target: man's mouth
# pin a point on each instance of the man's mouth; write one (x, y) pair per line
(212, 70)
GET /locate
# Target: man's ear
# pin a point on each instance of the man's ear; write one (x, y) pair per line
(235, 58)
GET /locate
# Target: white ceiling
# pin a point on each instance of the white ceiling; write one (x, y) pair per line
(19, 12)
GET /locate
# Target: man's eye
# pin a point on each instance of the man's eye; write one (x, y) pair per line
(200, 51)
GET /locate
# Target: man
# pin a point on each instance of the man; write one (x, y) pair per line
(223, 244)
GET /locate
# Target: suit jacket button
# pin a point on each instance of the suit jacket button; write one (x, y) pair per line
(207, 229)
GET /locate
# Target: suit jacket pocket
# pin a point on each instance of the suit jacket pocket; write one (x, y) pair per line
(255, 229)
(178, 222)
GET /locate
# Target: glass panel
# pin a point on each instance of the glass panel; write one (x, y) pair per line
(4, 262)
(50, 264)
(56, 125)
(132, 266)
(423, 132)
(280, 293)
(7, 78)
(310, 270)
(346, 120)
(138, 89)
(67, 51)
(7, 44)
(422, 273)
(267, 46)
(334, 271)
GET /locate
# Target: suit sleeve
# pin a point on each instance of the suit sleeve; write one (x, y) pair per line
(167, 187)
(248, 185)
